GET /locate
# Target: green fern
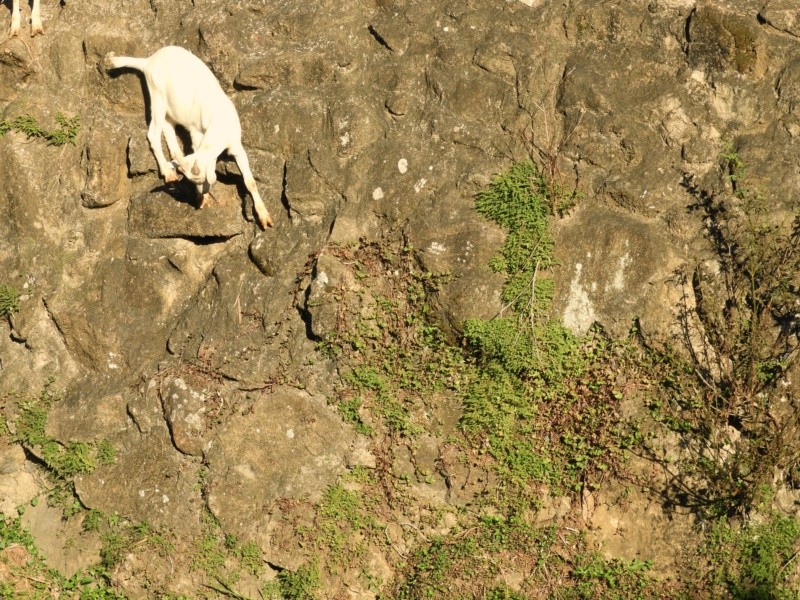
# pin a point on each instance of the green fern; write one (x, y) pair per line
(29, 126)
(65, 133)
(526, 342)
(519, 201)
(9, 301)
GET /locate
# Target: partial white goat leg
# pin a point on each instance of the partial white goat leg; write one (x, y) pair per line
(36, 19)
(14, 31)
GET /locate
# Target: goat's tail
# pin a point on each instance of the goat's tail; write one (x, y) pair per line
(125, 62)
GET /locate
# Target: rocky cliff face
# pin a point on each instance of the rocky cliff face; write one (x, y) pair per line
(188, 337)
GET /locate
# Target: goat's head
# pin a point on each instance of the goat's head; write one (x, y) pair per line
(199, 168)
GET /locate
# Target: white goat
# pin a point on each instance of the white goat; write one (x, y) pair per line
(36, 19)
(183, 91)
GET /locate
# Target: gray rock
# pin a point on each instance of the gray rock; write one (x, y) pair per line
(17, 69)
(186, 409)
(720, 38)
(782, 15)
(330, 281)
(18, 485)
(290, 446)
(174, 212)
(106, 170)
(150, 481)
(596, 273)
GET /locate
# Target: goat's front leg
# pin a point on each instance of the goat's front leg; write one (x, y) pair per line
(203, 194)
(14, 31)
(157, 122)
(174, 147)
(238, 153)
(36, 19)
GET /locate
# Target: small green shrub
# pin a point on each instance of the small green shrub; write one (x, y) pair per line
(518, 200)
(542, 401)
(32, 415)
(435, 566)
(342, 526)
(9, 301)
(751, 562)
(92, 584)
(29, 126)
(391, 356)
(106, 453)
(613, 579)
(250, 557)
(302, 584)
(65, 133)
(463, 563)
(724, 393)
(67, 461)
(63, 461)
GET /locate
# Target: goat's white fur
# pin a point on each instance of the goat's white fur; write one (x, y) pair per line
(183, 91)
(36, 19)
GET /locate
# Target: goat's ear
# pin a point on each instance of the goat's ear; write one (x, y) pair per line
(195, 169)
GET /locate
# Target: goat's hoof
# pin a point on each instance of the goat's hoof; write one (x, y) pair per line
(37, 30)
(171, 177)
(203, 199)
(13, 32)
(107, 61)
(265, 221)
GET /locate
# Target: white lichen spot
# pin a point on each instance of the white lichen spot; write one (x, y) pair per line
(377, 193)
(623, 262)
(164, 498)
(419, 185)
(194, 421)
(579, 314)
(245, 471)
(619, 276)
(321, 279)
(290, 434)
(180, 383)
(141, 493)
(402, 165)
(277, 128)
(437, 248)
(344, 140)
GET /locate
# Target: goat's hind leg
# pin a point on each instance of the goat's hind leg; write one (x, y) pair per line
(238, 153)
